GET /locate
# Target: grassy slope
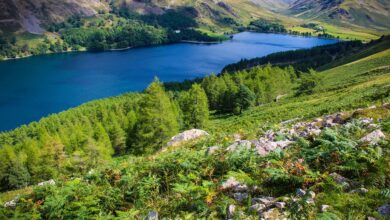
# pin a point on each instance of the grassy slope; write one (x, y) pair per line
(345, 87)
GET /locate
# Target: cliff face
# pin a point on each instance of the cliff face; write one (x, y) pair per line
(33, 15)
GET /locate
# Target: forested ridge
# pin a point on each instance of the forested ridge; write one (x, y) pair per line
(109, 158)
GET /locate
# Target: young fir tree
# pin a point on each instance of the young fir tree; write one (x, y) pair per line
(195, 108)
(157, 120)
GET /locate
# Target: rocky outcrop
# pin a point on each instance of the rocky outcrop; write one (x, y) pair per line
(187, 136)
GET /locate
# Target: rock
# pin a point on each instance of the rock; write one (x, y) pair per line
(338, 119)
(324, 208)
(280, 205)
(341, 180)
(264, 147)
(373, 137)
(237, 137)
(49, 182)
(153, 215)
(212, 150)
(360, 191)
(271, 214)
(10, 204)
(312, 194)
(384, 210)
(366, 121)
(187, 136)
(244, 144)
(267, 201)
(310, 201)
(283, 144)
(300, 192)
(230, 211)
(240, 197)
(257, 208)
(371, 218)
(233, 185)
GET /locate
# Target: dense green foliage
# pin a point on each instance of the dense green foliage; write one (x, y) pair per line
(76, 148)
(264, 26)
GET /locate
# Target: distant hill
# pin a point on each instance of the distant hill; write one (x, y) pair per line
(373, 14)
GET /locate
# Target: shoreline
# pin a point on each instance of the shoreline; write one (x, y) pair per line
(182, 41)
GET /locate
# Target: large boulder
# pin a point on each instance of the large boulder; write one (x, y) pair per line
(187, 136)
(373, 137)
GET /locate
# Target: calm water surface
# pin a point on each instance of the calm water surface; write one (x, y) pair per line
(35, 87)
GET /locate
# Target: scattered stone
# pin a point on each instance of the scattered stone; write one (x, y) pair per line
(257, 208)
(280, 205)
(230, 211)
(10, 204)
(310, 201)
(271, 214)
(187, 136)
(341, 180)
(267, 201)
(360, 191)
(312, 194)
(234, 185)
(49, 182)
(324, 208)
(366, 121)
(212, 150)
(153, 215)
(373, 137)
(240, 197)
(300, 192)
(244, 144)
(384, 210)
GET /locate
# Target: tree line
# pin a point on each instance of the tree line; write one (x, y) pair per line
(75, 141)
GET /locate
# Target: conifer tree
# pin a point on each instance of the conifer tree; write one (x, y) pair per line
(157, 120)
(244, 99)
(195, 109)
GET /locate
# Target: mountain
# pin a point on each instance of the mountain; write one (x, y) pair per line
(33, 15)
(372, 14)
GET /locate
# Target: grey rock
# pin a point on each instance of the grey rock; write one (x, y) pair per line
(187, 136)
(360, 191)
(230, 211)
(234, 185)
(240, 197)
(280, 205)
(243, 144)
(212, 150)
(46, 183)
(10, 204)
(324, 208)
(300, 192)
(371, 218)
(373, 137)
(258, 208)
(384, 210)
(312, 194)
(153, 215)
(266, 200)
(345, 182)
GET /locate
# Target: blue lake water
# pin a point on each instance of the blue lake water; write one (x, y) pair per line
(34, 87)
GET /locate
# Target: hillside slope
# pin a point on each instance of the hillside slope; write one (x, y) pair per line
(316, 156)
(372, 14)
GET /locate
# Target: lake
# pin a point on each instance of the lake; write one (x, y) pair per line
(35, 87)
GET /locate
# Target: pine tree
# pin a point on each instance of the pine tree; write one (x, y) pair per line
(195, 109)
(157, 120)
